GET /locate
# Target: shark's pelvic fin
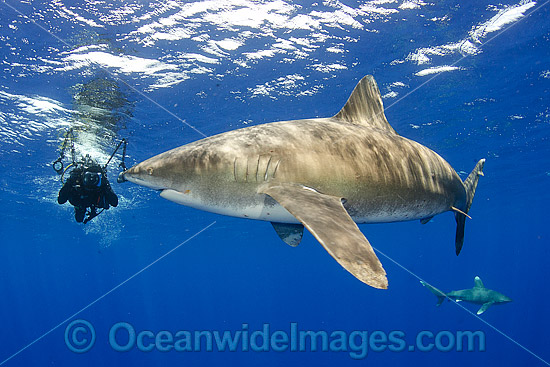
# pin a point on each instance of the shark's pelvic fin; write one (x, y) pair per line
(439, 294)
(327, 219)
(478, 283)
(484, 307)
(290, 233)
(470, 185)
(364, 106)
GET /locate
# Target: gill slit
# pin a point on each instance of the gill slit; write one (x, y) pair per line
(277, 166)
(257, 168)
(267, 167)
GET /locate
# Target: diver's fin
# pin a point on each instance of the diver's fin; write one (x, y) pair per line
(484, 307)
(289, 232)
(439, 294)
(478, 283)
(325, 217)
(470, 185)
(426, 220)
(364, 106)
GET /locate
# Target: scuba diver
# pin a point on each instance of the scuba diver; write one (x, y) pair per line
(87, 187)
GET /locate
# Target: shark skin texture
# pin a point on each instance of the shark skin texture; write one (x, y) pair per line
(324, 174)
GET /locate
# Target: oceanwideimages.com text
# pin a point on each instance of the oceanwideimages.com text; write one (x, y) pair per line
(80, 337)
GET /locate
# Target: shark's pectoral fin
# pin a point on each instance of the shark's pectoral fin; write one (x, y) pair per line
(289, 232)
(484, 307)
(325, 217)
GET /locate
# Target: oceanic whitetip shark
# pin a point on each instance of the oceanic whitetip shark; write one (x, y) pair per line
(478, 295)
(325, 174)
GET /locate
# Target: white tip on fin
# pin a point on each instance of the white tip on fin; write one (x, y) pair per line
(478, 283)
(484, 308)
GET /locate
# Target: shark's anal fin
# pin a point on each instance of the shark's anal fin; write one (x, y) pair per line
(426, 220)
(484, 307)
(290, 233)
(325, 217)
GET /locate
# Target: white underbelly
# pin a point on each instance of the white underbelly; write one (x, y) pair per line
(258, 210)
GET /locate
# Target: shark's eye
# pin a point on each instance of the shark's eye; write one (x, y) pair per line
(150, 171)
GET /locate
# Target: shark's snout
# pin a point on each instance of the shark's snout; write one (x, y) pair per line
(132, 174)
(506, 299)
(121, 178)
(144, 174)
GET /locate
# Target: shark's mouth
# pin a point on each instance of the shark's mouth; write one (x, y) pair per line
(174, 195)
(128, 176)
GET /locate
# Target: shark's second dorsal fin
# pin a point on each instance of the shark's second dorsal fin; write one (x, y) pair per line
(478, 283)
(364, 106)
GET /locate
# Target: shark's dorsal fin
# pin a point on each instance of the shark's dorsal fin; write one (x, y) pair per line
(478, 283)
(364, 106)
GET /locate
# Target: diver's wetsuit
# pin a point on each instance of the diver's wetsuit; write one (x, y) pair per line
(87, 187)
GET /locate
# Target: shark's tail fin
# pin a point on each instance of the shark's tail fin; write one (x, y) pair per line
(440, 295)
(470, 184)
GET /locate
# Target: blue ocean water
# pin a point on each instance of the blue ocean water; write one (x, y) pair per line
(469, 80)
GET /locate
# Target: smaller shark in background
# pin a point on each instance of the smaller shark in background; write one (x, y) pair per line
(478, 295)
